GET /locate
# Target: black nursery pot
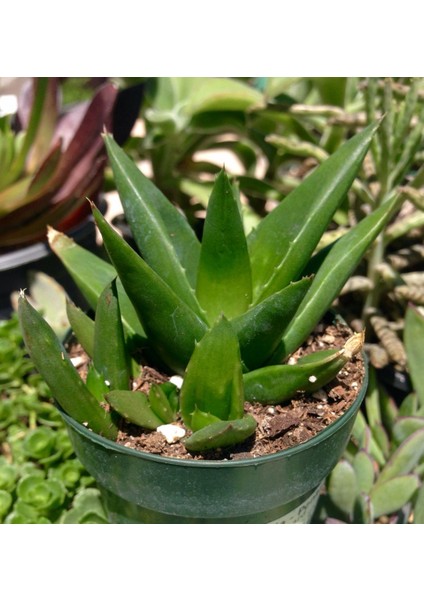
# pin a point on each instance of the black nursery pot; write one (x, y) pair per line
(138, 487)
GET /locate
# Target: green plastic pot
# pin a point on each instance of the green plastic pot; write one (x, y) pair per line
(138, 487)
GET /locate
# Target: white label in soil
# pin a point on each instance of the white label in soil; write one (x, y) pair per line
(302, 513)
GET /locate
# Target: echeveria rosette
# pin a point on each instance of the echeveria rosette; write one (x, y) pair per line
(224, 312)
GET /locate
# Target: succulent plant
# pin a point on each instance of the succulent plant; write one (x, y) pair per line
(50, 160)
(225, 312)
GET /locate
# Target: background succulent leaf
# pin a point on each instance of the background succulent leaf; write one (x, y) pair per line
(343, 486)
(413, 337)
(405, 457)
(389, 496)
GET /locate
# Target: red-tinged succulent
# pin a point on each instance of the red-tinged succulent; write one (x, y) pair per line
(50, 160)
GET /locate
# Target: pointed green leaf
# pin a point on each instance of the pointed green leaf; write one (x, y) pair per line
(171, 326)
(161, 232)
(405, 458)
(91, 274)
(283, 242)
(224, 282)
(260, 329)
(336, 268)
(222, 434)
(82, 326)
(200, 419)
(96, 384)
(389, 496)
(278, 383)
(53, 363)
(381, 438)
(160, 405)
(110, 356)
(134, 407)
(413, 337)
(213, 380)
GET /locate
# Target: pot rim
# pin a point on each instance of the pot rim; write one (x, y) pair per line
(225, 463)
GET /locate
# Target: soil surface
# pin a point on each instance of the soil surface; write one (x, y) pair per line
(280, 426)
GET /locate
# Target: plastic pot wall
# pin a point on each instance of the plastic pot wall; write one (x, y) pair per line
(138, 487)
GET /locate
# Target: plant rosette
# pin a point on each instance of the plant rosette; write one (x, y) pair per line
(229, 315)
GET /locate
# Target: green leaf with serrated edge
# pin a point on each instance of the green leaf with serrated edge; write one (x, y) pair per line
(53, 363)
(200, 419)
(363, 513)
(277, 383)
(365, 471)
(389, 496)
(220, 435)
(405, 458)
(413, 338)
(110, 356)
(213, 379)
(331, 276)
(82, 326)
(159, 404)
(172, 393)
(405, 426)
(163, 235)
(224, 283)
(134, 407)
(96, 384)
(283, 242)
(343, 486)
(91, 274)
(259, 330)
(419, 507)
(171, 326)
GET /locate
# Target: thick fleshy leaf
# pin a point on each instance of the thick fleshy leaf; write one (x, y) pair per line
(283, 242)
(332, 274)
(365, 470)
(260, 329)
(110, 355)
(405, 458)
(413, 337)
(134, 407)
(164, 237)
(91, 274)
(224, 284)
(278, 383)
(343, 486)
(82, 326)
(53, 363)
(221, 434)
(406, 426)
(213, 380)
(389, 496)
(171, 326)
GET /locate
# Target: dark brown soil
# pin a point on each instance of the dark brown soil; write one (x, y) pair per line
(279, 427)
